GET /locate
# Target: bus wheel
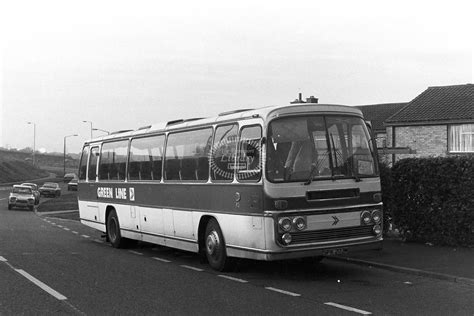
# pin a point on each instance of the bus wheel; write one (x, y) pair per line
(215, 248)
(113, 231)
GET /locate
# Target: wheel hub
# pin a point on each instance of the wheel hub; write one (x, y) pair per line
(212, 242)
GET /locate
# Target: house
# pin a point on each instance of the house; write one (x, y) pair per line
(438, 122)
(377, 114)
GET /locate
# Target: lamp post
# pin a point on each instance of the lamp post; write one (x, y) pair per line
(64, 172)
(91, 126)
(101, 130)
(34, 140)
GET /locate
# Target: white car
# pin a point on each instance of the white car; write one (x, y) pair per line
(21, 196)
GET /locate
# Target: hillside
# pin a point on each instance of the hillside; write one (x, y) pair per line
(13, 170)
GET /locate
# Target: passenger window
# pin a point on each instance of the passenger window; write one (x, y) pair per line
(187, 155)
(113, 160)
(223, 153)
(83, 163)
(146, 157)
(94, 156)
(249, 166)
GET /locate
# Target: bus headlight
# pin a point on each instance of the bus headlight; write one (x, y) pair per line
(285, 224)
(377, 216)
(299, 223)
(365, 217)
(286, 238)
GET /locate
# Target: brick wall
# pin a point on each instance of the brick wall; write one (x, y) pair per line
(428, 141)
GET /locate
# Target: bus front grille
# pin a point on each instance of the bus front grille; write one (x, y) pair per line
(331, 234)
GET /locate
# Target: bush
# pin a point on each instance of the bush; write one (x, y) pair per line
(432, 199)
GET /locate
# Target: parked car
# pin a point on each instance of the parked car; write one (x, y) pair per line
(69, 176)
(50, 189)
(36, 192)
(21, 196)
(72, 185)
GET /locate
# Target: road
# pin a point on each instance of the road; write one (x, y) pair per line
(50, 265)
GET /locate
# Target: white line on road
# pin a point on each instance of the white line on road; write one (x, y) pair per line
(3, 259)
(162, 260)
(98, 241)
(232, 278)
(191, 268)
(136, 252)
(65, 228)
(40, 284)
(348, 308)
(282, 291)
(3, 199)
(74, 232)
(85, 236)
(60, 226)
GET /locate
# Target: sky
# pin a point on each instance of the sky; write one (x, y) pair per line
(127, 64)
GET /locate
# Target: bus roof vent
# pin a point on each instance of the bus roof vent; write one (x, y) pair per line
(233, 112)
(174, 122)
(121, 131)
(144, 127)
(192, 119)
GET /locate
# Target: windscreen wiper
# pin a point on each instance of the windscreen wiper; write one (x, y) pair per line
(311, 174)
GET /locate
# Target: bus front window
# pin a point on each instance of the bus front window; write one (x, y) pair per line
(319, 147)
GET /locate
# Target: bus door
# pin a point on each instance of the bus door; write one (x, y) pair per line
(92, 206)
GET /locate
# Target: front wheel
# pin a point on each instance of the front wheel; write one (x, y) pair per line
(215, 249)
(113, 231)
(9, 206)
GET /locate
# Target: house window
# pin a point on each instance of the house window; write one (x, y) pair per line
(461, 138)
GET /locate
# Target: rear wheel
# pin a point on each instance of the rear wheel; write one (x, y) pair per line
(214, 247)
(113, 231)
(9, 206)
(31, 208)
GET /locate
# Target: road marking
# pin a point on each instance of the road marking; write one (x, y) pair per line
(98, 241)
(85, 236)
(136, 252)
(65, 228)
(3, 259)
(41, 285)
(232, 278)
(60, 226)
(162, 260)
(191, 268)
(282, 291)
(3, 199)
(74, 232)
(348, 308)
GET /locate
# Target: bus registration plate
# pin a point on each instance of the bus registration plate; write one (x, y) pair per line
(334, 251)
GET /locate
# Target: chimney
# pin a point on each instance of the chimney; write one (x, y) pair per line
(312, 99)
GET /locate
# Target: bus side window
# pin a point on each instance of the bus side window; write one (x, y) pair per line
(146, 156)
(223, 153)
(185, 152)
(249, 166)
(113, 160)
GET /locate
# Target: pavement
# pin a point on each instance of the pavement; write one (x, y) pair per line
(454, 264)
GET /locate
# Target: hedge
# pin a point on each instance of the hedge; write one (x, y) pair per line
(432, 199)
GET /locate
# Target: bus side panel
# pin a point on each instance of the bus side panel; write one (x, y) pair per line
(242, 233)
